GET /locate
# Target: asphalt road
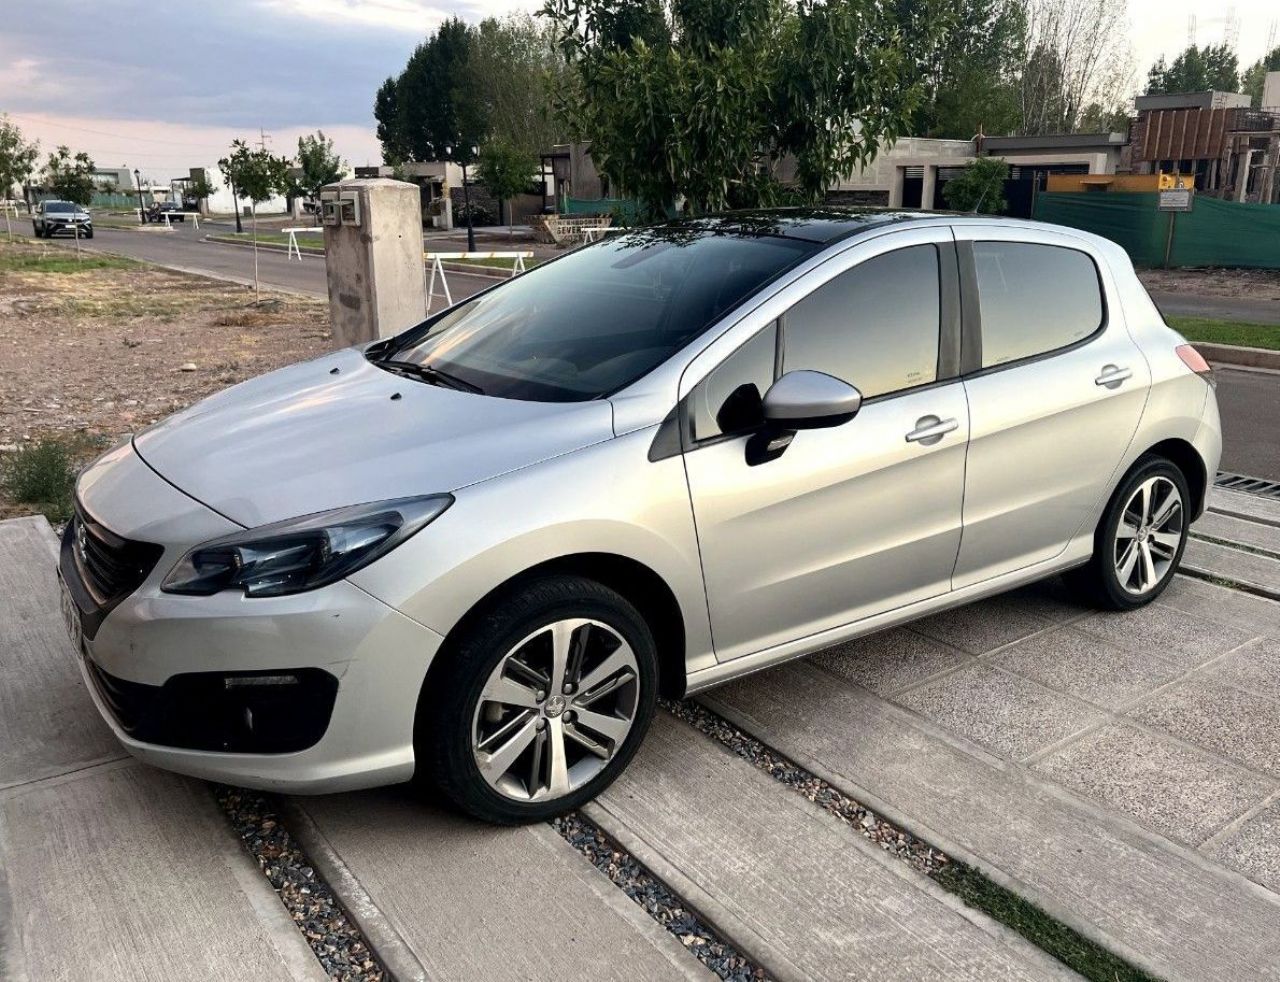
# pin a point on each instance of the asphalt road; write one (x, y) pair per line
(1250, 405)
(1250, 401)
(185, 248)
(1217, 308)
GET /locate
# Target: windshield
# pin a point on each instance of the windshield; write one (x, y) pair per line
(59, 206)
(600, 318)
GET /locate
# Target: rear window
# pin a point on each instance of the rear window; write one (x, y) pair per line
(1034, 299)
(602, 317)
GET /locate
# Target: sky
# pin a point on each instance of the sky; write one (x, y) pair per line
(166, 86)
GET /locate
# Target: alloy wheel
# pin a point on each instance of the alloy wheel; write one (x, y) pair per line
(555, 710)
(1148, 536)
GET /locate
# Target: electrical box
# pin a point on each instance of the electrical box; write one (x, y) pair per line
(329, 210)
(349, 208)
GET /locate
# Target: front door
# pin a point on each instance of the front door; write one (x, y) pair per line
(853, 520)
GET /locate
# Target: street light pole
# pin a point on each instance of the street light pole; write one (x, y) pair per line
(466, 154)
(137, 179)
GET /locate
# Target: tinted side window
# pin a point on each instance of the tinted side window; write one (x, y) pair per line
(1034, 298)
(729, 399)
(876, 326)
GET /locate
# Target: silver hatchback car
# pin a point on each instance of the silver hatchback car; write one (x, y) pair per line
(477, 552)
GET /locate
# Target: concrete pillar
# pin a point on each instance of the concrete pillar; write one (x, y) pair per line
(927, 188)
(895, 187)
(373, 258)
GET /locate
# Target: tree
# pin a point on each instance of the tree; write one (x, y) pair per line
(514, 71)
(979, 188)
(17, 161)
(1196, 69)
(505, 170)
(1075, 53)
(70, 177)
(1255, 76)
(431, 106)
(697, 103)
(319, 164)
(199, 188)
(971, 72)
(256, 175)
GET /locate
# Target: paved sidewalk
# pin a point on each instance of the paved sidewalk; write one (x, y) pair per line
(1121, 770)
(109, 869)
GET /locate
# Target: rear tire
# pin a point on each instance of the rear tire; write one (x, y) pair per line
(1139, 542)
(539, 704)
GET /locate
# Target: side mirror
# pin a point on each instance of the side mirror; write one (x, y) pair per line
(801, 400)
(806, 400)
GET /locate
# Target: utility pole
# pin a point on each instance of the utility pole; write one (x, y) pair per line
(263, 137)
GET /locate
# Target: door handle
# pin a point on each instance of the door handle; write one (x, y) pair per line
(930, 429)
(1112, 376)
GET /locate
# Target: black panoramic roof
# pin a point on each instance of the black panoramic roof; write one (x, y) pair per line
(818, 225)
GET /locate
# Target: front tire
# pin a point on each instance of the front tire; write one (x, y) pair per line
(540, 703)
(1139, 542)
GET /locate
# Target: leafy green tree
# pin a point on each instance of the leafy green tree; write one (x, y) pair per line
(697, 103)
(514, 72)
(17, 161)
(70, 177)
(1255, 76)
(1196, 69)
(257, 175)
(979, 188)
(506, 170)
(431, 106)
(971, 71)
(319, 163)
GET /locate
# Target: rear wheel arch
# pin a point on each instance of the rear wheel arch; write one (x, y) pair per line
(1187, 459)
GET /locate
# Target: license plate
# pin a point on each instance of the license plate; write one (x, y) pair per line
(71, 617)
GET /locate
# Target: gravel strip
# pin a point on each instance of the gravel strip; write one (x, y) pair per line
(336, 941)
(887, 836)
(657, 900)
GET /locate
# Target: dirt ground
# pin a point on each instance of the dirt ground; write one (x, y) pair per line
(104, 352)
(1247, 284)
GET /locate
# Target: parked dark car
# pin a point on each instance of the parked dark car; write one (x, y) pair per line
(53, 217)
(156, 213)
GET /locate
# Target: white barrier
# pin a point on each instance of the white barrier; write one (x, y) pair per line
(437, 268)
(193, 215)
(593, 232)
(293, 249)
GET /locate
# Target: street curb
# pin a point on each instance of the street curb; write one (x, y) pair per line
(393, 951)
(263, 246)
(1230, 354)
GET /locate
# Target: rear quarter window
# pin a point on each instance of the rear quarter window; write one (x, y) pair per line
(1034, 299)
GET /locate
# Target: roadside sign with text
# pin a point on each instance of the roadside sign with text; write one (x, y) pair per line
(1177, 199)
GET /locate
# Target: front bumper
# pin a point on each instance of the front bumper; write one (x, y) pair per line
(54, 227)
(157, 661)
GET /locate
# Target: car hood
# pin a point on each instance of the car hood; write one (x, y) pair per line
(339, 431)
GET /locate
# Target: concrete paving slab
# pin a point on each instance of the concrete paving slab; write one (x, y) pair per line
(477, 902)
(1254, 847)
(1240, 531)
(1160, 905)
(1209, 602)
(1087, 667)
(123, 872)
(1251, 506)
(1006, 713)
(988, 624)
(1167, 631)
(47, 721)
(1255, 668)
(1251, 569)
(889, 661)
(805, 896)
(1175, 790)
(1240, 726)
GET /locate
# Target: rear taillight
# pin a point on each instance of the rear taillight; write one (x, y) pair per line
(1195, 361)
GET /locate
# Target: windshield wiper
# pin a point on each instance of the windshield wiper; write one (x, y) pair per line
(430, 374)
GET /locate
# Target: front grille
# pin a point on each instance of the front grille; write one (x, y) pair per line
(112, 567)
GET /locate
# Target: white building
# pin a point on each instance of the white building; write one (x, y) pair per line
(221, 201)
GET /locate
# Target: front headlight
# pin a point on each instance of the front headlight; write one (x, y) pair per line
(302, 553)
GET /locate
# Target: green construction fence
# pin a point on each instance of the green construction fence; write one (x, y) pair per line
(1213, 233)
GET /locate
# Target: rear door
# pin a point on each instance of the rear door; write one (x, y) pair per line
(859, 518)
(1056, 388)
